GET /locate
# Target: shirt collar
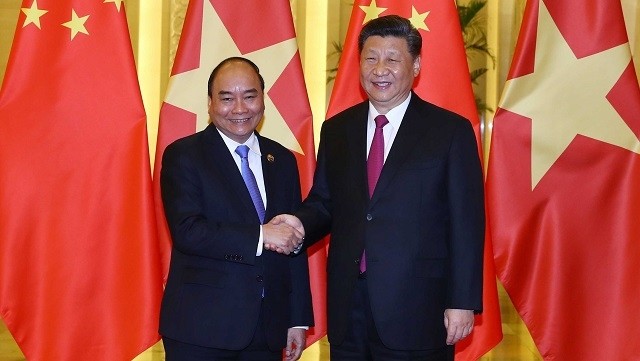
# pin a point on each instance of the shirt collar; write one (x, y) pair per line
(252, 143)
(394, 115)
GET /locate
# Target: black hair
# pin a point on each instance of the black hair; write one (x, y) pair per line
(215, 71)
(392, 25)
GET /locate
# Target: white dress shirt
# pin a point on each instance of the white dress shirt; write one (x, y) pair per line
(394, 116)
(255, 163)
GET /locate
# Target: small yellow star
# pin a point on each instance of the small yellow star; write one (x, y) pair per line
(418, 20)
(118, 3)
(76, 24)
(33, 14)
(372, 11)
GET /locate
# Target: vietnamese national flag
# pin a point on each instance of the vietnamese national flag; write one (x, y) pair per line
(263, 32)
(444, 80)
(80, 276)
(564, 182)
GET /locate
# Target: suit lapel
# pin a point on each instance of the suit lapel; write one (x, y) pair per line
(269, 173)
(221, 159)
(357, 150)
(410, 132)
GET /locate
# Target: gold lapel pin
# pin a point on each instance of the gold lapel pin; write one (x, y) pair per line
(270, 158)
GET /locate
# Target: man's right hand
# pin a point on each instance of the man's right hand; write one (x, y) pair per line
(281, 237)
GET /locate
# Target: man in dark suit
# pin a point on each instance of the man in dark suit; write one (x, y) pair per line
(405, 255)
(228, 296)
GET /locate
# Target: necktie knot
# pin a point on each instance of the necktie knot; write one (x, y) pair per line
(381, 121)
(242, 151)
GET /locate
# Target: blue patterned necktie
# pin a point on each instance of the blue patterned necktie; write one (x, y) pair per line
(250, 181)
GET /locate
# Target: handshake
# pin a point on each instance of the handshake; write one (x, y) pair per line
(283, 234)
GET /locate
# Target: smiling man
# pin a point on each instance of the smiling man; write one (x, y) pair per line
(228, 297)
(399, 186)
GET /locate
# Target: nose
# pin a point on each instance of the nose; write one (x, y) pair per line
(380, 69)
(239, 107)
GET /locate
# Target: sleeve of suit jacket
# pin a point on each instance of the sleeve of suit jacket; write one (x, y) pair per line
(302, 309)
(466, 207)
(315, 212)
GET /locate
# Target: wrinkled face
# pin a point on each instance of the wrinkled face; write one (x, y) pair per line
(387, 71)
(236, 105)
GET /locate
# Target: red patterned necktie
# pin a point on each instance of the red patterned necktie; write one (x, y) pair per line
(374, 166)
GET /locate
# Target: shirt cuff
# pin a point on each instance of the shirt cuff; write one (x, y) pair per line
(260, 243)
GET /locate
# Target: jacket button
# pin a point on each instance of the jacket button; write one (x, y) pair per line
(259, 278)
(369, 217)
(357, 261)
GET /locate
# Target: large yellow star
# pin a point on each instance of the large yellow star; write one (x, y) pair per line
(118, 3)
(76, 24)
(566, 96)
(418, 20)
(372, 11)
(188, 90)
(33, 14)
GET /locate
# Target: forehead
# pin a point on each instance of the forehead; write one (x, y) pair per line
(236, 76)
(385, 44)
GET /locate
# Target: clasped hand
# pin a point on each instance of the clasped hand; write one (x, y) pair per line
(283, 234)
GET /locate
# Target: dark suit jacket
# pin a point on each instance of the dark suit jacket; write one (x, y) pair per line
(215, 283)
(423, 228)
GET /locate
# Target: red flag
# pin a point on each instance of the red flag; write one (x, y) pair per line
(564, 182)
(211, 33)
(79, 263)
(444, 80)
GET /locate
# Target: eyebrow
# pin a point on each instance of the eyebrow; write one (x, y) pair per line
(248, 91)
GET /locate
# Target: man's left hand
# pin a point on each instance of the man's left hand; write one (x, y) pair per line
(459, 324)
(296, 338)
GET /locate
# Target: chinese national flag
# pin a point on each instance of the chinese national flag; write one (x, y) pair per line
(444, 80)
(80, 275)
(263, 32)
(564, 182)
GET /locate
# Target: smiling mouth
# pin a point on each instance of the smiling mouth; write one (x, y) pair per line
(238, 121)
(382, 84)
